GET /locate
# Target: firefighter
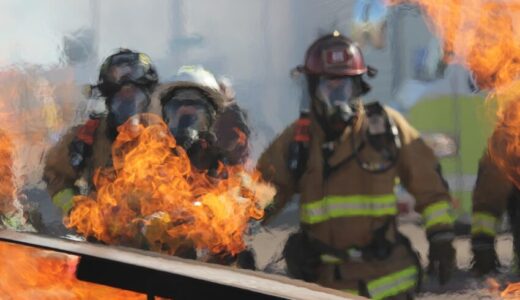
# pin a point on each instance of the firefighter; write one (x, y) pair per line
(229, 126)
(493, 195)
(126, 81)
(192, 111)
(348, 156)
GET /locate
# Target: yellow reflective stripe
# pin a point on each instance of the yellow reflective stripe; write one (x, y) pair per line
(437, 213)
(347, 206)
(393, 284)
(485, 223)
(330, 259)
(63, 199)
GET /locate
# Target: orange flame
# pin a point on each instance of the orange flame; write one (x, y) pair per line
(30, 273)
(32, 110)
(153, 198)
(479, 34)
(242, 137)
(7, 187)
(483, 36)
(512, 292)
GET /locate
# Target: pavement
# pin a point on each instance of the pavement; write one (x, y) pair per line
(268, 245)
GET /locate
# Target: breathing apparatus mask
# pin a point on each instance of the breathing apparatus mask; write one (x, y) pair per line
(190, 117)
(128, 101)
(335, 101)
(126, 80)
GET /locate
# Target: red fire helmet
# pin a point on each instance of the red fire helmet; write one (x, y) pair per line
(334, 55)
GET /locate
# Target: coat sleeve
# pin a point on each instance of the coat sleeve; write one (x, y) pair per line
(490, 197)
(58, 174)
(273, 165)
(419, 171)
(232, 130)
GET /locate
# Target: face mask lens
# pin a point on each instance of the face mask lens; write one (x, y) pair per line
(335, 91)
(182, 117)
(128, 101)
(117, 74)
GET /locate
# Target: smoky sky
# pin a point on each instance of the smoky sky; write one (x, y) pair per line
(254, 43)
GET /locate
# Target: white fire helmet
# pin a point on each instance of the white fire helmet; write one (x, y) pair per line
(197, 74)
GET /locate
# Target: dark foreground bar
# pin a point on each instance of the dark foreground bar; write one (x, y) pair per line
(172, 277)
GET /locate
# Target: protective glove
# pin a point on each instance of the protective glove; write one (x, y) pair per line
(301, 257)
(246, 259)
(485, 258)
(441, 256)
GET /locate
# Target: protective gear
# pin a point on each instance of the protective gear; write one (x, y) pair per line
(302, 257)
(232, 131)
(383, 136)
(335, 95)
(441, 255)
(186, 119)
(351, 197)
(190, 111)
(493, 195)
(299, 147)
(485, 258)
(126, 79)
(128, 101)
(334, 67)
(197, 74)
(335, 90)
(230, 127)
(334, 55)
(62, 177)
(125, 67)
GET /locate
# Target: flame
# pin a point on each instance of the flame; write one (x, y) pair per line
(33, 112)
(512, 292)
(479, 34)
(153, 198)
(31, 123)
(483, 36)
(7, 187)
(242, 137)
(31, 273)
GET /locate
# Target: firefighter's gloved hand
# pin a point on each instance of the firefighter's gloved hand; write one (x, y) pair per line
(301, 257)
(485, 258)
(441, 256)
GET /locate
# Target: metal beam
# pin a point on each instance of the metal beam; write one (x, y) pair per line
(163, 275)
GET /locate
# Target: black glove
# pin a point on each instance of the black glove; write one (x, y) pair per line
(441, 255)
(484, 256)
(246, 259)
(301, 257)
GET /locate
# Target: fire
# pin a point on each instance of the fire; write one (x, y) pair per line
(31, 121)
(33, 112)
(152, 198)
(7, 187)
(30, 273)
(483, 36)
(512, 292)
(479, 34)
(242, 138)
